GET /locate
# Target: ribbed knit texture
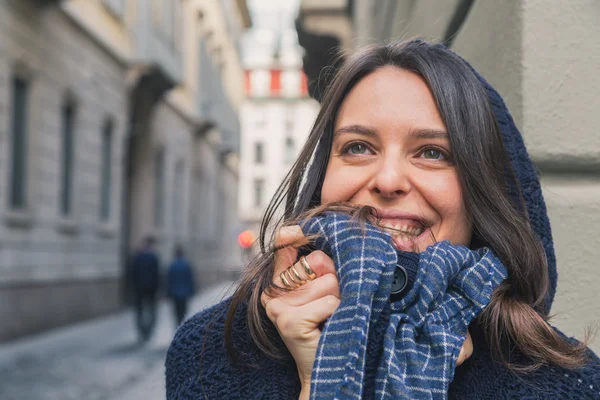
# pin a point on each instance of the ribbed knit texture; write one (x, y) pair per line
(197, 366)
(424, 330)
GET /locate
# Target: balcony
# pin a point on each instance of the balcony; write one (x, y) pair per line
(157, 44)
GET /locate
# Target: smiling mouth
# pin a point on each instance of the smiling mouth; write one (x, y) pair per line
(405, 229)
(404, 233)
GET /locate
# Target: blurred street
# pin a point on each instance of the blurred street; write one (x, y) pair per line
(96, 359)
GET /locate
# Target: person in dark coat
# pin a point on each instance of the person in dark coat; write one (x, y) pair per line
(180, 284)
(145, 271)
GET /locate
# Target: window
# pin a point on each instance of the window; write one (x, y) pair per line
(178, 203)
(290, 150)
(18, 177)
(68, 145)
(105, 172)
(159, 178)
(258, 153)
(259, 188)
(195, 195)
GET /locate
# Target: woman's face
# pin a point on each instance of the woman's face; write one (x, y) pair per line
(391, 151)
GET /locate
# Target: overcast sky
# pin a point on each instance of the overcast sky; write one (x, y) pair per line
(272, 26)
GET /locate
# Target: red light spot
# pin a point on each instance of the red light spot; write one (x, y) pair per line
(246, 239)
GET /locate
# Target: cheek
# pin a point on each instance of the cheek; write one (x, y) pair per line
(340, 184)
(445, 196)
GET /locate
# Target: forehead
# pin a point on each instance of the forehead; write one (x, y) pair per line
(390, 97)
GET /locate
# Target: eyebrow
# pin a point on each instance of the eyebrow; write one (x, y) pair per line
(360, 129)
(417, 134)
(428, 134)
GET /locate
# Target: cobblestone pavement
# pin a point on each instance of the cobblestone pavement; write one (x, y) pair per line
(94, 360)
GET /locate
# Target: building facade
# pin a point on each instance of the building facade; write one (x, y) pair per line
(539, 57)
(277, 113)
(276, 118)
(104, 139)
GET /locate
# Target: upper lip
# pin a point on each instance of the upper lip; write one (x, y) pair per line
(397, 214)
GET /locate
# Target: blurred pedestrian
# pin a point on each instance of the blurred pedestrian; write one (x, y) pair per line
(180, 284)
(145, 270)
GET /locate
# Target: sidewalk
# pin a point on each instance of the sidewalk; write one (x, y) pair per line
(94, 360)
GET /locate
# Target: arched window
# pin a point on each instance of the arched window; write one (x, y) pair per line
(19, 139)
(290, 150)
(259, 192)
(106, 169)
(159, 190)
(259, 153)
(178, 198)
(68, 115)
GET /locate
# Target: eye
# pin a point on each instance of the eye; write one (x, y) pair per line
(433, 154)
(355, 149)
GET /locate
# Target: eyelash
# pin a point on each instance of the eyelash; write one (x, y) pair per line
(443, 152)
(346, 150)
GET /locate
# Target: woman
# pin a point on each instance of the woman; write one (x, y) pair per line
(411, 131)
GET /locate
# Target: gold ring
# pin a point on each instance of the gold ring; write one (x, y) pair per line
(298, 277)
(285, 281)
(290, 277)
(311, 274)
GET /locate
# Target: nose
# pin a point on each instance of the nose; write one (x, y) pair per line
(391, 179)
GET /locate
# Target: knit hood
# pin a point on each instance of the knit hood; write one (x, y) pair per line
(527, 181)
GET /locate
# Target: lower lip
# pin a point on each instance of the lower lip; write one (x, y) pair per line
(408, 243)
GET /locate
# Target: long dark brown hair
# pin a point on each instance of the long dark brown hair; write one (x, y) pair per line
(515, 315)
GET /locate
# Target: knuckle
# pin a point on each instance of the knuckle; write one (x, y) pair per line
(272, 307)
(286, 324)
(331, 300)
(319, 258)
(330, 281)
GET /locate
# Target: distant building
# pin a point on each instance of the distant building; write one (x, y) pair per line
(276, 119)
(277, 113)
(539, 57)
(118, 119)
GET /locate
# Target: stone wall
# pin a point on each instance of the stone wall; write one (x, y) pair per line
(55, 269)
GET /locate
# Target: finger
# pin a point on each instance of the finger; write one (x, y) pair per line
(305, 319)
(284, 237)
(466, 350)
(274, 307)
(326, 285)
(319, 262)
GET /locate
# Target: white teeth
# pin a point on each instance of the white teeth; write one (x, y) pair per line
(404, 229)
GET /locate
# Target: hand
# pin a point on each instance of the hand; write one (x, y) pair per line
(298, 313)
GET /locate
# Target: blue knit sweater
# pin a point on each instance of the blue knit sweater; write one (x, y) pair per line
(197, 366)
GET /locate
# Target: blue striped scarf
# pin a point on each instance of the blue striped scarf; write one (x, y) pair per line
(374, 348)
